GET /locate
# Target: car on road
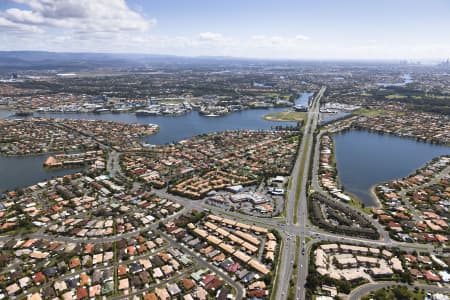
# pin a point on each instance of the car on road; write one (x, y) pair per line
(277, 191)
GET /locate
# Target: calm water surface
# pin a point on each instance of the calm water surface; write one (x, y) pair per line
(176, 128)
(365, 159)
(172, 129)
(24, 171)
(406, 79)
(19, 172)
(5, 113)
(303, 99)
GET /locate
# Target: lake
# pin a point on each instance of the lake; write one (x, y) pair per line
(365, 159)
(303, 99)
(176, 128)
(27, 170)
(24, 171)
(5, 113)
(406, 79)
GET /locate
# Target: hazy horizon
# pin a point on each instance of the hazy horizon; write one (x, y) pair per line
(285, 30)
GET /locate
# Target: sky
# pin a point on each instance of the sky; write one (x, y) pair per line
(275, 29)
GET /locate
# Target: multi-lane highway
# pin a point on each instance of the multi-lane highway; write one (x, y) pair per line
(287, 256)
(295, 224)
(302, 213)
(298, 220)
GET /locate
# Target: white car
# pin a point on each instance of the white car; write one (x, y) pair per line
(277, 192)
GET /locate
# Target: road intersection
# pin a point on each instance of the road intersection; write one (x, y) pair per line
(295, 223)
(292, 227)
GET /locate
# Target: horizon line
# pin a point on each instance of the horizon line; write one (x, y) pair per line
(399, 60)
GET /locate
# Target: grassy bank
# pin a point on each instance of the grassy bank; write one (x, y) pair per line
(396, 292)
(369, 112)
(293, 280)
(275, 284)
(300, 176)
(285, 116)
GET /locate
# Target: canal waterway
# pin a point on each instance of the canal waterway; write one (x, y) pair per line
(366, 158)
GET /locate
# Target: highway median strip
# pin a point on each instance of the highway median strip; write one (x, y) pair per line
(294, 276)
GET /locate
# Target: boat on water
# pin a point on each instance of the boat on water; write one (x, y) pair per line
(300, 108)
(145, 112)
(213, 111)
(101, 111)
(23, 113)
(120, 110)
(236, 107)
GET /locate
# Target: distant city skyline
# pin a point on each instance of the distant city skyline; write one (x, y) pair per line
(285, 29)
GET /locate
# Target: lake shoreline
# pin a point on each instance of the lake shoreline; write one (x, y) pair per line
(365, 159)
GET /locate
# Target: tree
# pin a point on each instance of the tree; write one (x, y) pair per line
(380, 295)
(268, 279)
(401, 293)
(407, 277)
(312, 281)
(344, 286)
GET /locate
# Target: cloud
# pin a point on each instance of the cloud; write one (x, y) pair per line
(301, 37)
(274, 41)
(112, 26)
(82, 16)
(210, 42)
(12, 27)
(210, 37)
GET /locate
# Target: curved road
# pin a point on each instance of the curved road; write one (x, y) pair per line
(316, 186)
(290, 227)
(365, 289)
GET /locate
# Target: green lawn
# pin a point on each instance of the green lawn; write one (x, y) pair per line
(396, 293)
(286, 116)
(293, 280)
(300, 176)
(395, 96)
(369, 112)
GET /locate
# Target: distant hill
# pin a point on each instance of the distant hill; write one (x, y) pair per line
(16, 61)
(41, 60)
